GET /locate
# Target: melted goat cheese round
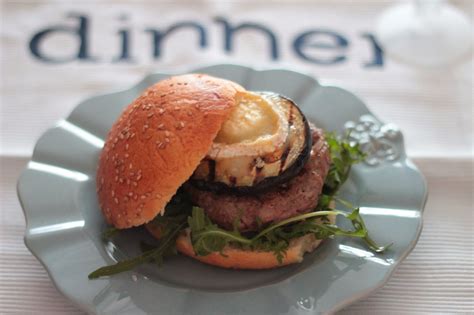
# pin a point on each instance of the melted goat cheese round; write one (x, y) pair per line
(251, 119)
(255, 127)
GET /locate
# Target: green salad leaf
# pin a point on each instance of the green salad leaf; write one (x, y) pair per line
(170, 225)
(344, 154)
(207, 237)
(155, 254)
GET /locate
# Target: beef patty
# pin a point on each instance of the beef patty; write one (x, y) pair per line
(297, 196)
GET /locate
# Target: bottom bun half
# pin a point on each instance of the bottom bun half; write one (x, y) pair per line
(236, 258)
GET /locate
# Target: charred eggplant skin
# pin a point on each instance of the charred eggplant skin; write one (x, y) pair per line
(269, 182)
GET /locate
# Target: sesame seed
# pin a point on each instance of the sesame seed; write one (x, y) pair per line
(121, 136)
(121, 180)
(128, 181)
(135, 197)
(107, 210)
(125, 199)
(119, 215)
(161, 145)
(113, 193)
(130, 166)
(134, 184)
(150, 115)
(180, 125)
(142, 197)
(116, 200)
(161, 126)
(167, 140)
(102, 180)
(130, 194)
(115, 140)
(139, 176)
(161, 111)
(126, 146)
(126, 155)
(176, 108)
(190, 113)
(167, 133)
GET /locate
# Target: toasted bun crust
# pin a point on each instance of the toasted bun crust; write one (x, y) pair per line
(235, 258)
(157, 143)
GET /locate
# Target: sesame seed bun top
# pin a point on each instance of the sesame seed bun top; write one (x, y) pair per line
(157, 143)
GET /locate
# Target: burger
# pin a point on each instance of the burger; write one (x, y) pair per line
(233, 178)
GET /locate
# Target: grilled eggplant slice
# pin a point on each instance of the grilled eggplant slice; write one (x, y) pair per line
(265, 142)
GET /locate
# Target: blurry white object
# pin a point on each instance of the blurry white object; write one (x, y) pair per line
(426, 33)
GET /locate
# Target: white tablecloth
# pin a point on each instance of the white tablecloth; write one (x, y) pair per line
(434, 110)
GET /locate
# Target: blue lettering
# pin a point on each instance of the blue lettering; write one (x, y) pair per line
(158, 36)
(312, 39)
(229, 31)
(80, 31)
(378, 57)
(124, 35)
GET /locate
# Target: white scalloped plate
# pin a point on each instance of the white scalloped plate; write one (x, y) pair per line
(57, 193)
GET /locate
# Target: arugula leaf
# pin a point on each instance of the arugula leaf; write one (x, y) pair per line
(155, 254)
(176, 212)
(208, 237)
(344, 154)
(170, 225)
